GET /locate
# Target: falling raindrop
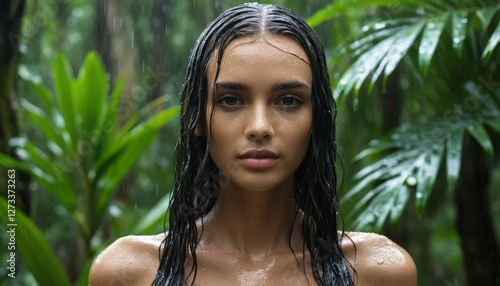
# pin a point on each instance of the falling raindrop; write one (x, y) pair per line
(133, 33)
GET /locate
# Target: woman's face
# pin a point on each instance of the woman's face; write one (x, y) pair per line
(261, 124)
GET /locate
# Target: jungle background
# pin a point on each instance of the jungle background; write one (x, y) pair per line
(89, 102)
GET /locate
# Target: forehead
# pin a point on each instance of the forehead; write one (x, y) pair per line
(266, 51)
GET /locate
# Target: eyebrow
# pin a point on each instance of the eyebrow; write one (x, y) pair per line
(294, 84)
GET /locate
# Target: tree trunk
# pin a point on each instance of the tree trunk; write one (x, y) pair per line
(159, 20)
(481, 256)
(115, 44)
(11, 13)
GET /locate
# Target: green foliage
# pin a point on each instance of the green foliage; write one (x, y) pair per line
(409, 159)
(88, 151)
(31, 244)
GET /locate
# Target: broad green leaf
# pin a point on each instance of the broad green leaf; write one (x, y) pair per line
(383, 187)
(486, 15)
(63, 81)
(428, 166)
(479, 133)
(90, 94)
(37, 116)
(492, 43)
(45, 97)
(10, 162)
(136, 142)
(403, 41)
(382, 206)
(153, 217)
(380, 170)
(429, 41)
(389, 161)
(453, 157)
(106, 138)
(495, 124)
(460, 19)
(31, 244)
(401, 197)
(361, 68)
(111, 179)
(59, 185)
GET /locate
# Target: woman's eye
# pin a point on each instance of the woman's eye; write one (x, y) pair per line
(289, 101)
(229, 100)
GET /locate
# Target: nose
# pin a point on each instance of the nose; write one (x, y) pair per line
(259, 124)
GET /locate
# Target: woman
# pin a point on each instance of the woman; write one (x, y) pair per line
(255, 200)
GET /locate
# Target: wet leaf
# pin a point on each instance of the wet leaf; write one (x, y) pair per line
(492, 43)
(460, 20)
(453, 157)
(428, 166)
(63, 79)
(34, 248)
(153, 217)
(429, 41)
(89, 95)
(479, 133)
(404, 40)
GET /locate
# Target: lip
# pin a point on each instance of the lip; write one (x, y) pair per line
(259, 158)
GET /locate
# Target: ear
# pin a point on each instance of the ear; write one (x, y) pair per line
(198, 131)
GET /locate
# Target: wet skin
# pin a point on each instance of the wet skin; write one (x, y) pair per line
(259, 133)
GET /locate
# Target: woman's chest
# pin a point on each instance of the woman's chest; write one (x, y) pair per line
(226, 269)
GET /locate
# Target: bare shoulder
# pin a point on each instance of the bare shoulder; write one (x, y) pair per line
(378, 260)
(130, 260)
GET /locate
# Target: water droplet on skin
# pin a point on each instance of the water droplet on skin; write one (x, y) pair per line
(380, 261)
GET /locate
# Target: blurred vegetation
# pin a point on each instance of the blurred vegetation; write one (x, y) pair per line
(417, 80)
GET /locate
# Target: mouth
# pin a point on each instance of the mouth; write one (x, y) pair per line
(259, 154)
(259, 159)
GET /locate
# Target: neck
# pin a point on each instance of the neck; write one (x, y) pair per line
(252, 223)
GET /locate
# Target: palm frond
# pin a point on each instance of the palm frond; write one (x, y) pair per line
(422, 25)
(410, 159)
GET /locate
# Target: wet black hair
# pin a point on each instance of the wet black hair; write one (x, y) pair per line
(197, 179)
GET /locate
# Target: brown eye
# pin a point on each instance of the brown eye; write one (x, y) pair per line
(289, 101)
(229, 100)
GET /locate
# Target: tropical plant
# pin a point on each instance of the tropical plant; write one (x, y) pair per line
(86, 155)
(444, 56)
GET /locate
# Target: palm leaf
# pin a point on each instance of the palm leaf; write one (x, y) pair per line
(492, 43)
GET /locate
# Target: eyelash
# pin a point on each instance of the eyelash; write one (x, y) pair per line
(222, 100)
